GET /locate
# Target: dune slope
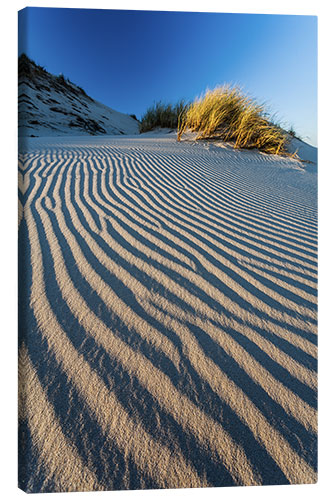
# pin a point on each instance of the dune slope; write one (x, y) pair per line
(167, 315)
(50, 105)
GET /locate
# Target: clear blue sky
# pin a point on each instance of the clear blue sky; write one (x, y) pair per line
(129, 59)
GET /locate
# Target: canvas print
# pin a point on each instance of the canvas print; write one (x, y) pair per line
(167, 178)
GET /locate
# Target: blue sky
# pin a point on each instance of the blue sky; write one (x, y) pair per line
(129, 59)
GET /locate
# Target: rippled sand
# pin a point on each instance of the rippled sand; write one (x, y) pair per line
(167, 315)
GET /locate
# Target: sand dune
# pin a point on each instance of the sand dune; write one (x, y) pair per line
(167, 315)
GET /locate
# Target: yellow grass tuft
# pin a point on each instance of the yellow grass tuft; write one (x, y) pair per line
(226, 113)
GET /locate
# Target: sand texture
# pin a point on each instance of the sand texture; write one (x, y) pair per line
(167, 315)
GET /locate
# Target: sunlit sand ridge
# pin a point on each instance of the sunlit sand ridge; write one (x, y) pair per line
(167, 315)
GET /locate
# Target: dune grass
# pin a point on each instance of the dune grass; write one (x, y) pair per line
(162, 115)
(227, 114)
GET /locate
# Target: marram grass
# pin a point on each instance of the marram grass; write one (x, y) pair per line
(162, 115)
(227, 114)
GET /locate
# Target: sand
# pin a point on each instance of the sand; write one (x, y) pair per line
(167, 315)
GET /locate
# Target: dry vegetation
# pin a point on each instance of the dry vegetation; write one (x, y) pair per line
(228, 114)
(162, 115)
(225, 113)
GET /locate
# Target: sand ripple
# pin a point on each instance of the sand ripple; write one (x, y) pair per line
(167, 316)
